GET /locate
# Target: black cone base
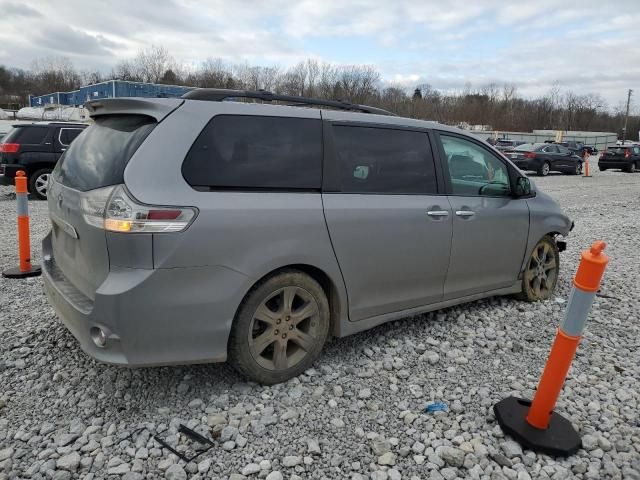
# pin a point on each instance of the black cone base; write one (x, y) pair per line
(17, 273)
(558, 440)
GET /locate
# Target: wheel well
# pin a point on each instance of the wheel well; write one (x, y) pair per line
(325, 282)
(34, 167)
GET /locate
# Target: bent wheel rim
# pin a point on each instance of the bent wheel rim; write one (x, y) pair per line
(542, 271)
(284, 328)
(41, 184)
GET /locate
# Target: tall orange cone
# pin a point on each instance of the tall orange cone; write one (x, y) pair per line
(586, 164)
(534, 424)
(25, 268)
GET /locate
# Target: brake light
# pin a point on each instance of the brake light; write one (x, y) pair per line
(530, 155)
(627, 152)
(9, 147)
(112, 209)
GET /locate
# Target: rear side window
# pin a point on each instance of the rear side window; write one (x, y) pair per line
(381, 160)
(68, 135)
(98, 158)
(27, 135)
(255, 152)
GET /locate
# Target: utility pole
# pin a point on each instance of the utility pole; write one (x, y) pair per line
(626, 117)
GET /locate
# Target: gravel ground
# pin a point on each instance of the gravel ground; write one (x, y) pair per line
(358, 413)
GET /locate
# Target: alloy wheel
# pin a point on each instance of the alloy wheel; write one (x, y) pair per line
(545, 169)
(42, 183)
(284, 328)
(542, 270)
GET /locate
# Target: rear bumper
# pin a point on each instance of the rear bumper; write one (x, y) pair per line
(614, 163)
(151, 317)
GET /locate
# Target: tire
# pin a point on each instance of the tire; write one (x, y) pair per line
(38, 182)
(603, 169)
(272, 306)
(541, 274)
(544, 169)
(577, 170)
(631, 168)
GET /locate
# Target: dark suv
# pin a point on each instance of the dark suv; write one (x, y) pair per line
(35, 148)
(624, 157)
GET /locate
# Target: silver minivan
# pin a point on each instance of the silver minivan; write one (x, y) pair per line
(225, 226)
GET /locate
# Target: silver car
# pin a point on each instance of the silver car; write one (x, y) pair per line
(210, 228)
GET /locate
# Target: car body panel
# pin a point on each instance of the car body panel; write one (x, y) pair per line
(171, 298)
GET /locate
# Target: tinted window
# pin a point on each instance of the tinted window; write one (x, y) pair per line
(563, 150)
(67, 135)
(98, 158)
(240, 151)
(27, 135)
(551, 149)
(473, 170)
(525, 147)
(380, 160)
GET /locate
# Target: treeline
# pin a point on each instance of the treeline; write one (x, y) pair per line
(498, 106)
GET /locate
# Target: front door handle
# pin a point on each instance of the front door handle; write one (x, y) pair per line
(437, 213)
(465, 213)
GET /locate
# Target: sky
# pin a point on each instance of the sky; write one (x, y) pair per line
(586, 46)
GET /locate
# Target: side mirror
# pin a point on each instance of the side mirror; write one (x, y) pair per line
(523, 187)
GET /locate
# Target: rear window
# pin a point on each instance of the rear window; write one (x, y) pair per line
(255, 152)
(525, 147)
(27, 135)
(98, 158)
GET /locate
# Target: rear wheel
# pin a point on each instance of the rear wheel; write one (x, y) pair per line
(541, 273)
(39, 183)
(631, 168)
(280, 328)
(544, 169)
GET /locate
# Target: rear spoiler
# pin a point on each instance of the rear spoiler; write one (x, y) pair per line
(157, 108)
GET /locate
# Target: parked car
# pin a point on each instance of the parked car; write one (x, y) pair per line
(544, 158)
(505, 144)
(199, 230)
(626, 158)
(35, 148)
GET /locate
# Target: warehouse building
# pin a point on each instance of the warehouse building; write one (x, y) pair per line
(110, 89)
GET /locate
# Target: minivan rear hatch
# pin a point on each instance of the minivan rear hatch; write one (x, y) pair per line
(81, 184)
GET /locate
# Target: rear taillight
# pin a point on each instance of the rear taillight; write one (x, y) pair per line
(530, 155)
(9, 147)
(114, 210)
(627, 152)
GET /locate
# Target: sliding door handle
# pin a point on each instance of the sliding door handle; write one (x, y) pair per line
(437, 213)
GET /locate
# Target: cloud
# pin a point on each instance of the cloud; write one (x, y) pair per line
(445, 43)
(12, 10)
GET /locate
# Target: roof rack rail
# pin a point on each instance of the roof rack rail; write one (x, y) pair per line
(221, 94)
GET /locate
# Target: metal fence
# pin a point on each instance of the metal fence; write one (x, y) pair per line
(599, 140)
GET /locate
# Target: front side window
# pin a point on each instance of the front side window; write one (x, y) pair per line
(474, 170)
(255, 152)
(383, 161)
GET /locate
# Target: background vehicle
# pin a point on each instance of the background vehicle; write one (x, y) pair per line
(35, 148)
(626, 158)
(197, 229)
(544, 158)
(504, 144)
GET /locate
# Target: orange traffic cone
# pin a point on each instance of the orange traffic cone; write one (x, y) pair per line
(534, 424)
(25, 268)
